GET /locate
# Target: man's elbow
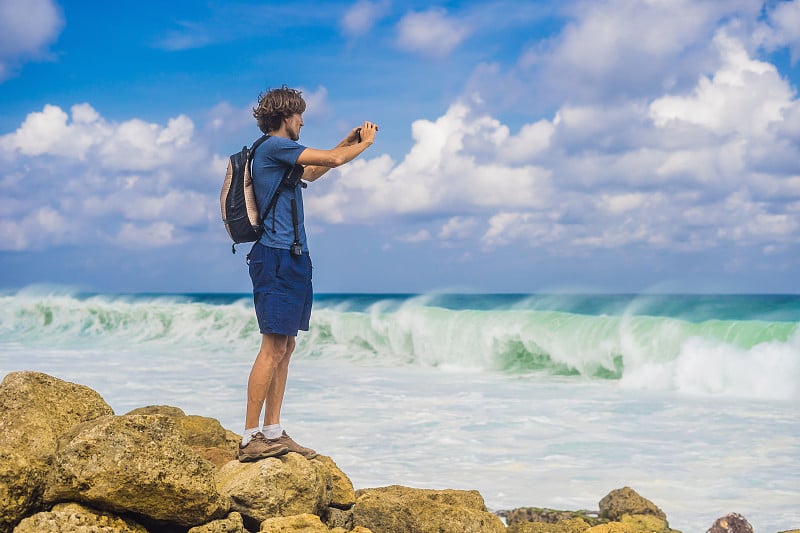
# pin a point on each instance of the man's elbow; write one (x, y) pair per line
(338, 161)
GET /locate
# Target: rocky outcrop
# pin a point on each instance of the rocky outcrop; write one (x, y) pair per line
(204, 435)
(285, 486)
(622, 510)
(67, 463)
(135, 464)
(35, 409)
(397, 509)
(624, 501)
(547, 516)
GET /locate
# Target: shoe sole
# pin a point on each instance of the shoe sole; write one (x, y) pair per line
(248, 458)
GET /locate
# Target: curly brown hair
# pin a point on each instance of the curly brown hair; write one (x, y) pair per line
(276, 105)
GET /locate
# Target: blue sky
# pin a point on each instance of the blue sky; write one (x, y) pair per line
(614, 145)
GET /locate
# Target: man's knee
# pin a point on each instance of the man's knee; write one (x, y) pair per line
(273, 346)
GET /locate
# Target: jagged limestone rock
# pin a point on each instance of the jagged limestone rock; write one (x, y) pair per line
(139, 464)
(77, 518)
(397, 509)
(21, 486)
(206, 436)
(547, 516)
(624, 501)
(285, 486)
(35, 409)
(342, 494)
(302, 523)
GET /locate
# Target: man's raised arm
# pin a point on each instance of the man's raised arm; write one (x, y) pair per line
(318, 162)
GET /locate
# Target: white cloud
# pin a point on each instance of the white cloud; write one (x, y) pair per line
(440, 173)
(130, 145)
(154, 235)
(79, 178)
(431, 33)
(782, 28)
(27, 27)
(362, 16)
(458, 228)
(415, 237)
(743, 96)
(709, 166)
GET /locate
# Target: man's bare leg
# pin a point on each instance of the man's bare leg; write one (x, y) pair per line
(272, 352)
(277, 388)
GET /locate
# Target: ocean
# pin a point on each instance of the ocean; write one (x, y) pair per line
(546, 400)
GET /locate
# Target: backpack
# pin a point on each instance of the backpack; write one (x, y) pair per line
(237, 200)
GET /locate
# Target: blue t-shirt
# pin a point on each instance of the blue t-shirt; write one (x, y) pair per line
(270, 162)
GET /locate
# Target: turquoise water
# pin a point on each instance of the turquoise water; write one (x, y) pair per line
(544, 400)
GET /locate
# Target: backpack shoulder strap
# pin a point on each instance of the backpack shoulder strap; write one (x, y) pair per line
(252, 151)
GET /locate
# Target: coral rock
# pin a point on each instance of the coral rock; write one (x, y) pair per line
(77, 518)
(303, 523)
(35, 409)
(397, 509)
(137, 464)
(624, 501)
(285, 486)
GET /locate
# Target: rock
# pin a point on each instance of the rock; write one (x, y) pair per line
(570, 525)
(612, 527)
(626, 501)
(334, 518)
(342, 494)
(35, 409)
(77, 518)
(166, 410)
(398, 509)
(285, 486)
(302, 523)
(136, 464)
(21, 486)
(732, 523)
(230, 524)
(206, 436)
(548, 516)
(647, 523)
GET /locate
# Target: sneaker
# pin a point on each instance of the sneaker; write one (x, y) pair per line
(261, 448)
(287, 441)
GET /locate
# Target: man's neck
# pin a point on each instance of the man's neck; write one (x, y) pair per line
(280, 132)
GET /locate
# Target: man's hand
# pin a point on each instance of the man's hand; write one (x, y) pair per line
(366, 133)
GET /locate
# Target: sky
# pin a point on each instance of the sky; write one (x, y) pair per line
(577, 146)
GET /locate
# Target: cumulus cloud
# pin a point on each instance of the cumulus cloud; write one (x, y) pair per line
(781, 28)
(431, 33)
(744, 95)
(77, 178)
(685, 170)
(27, 27)
(362, 16)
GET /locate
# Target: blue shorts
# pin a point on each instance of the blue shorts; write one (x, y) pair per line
(282, 290)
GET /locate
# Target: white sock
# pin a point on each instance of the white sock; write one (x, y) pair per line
(272, 431)
(248, 435)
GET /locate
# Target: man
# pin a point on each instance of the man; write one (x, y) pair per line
(280, 266)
